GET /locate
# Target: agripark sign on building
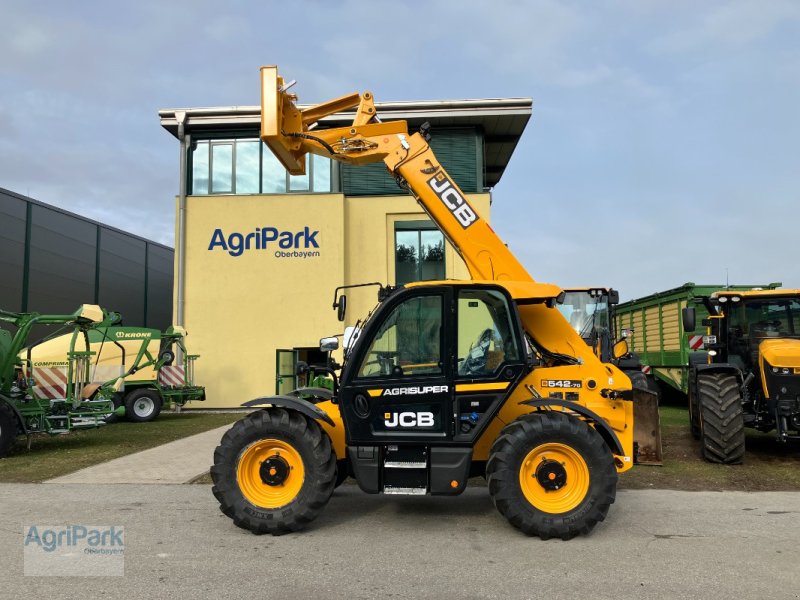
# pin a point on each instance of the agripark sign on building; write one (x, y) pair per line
(281, 243)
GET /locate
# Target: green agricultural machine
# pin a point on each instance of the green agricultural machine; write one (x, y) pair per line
(144, 358)
(667, 352)
(78, 380)
(23, 412)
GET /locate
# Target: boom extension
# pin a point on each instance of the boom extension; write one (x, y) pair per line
(287, 130)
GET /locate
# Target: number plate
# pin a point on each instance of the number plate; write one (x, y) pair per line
(562, 383)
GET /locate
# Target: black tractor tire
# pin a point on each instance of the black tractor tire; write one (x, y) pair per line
(694, 409)
(142, 405)
(118, 401)
(541, 440)
(303, 440)
(8, 429)
(721, 421)
(167, 356)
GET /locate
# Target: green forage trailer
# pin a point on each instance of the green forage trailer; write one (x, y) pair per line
(664, 348)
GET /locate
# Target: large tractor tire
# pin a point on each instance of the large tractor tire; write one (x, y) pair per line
(142, 405)
(117, 401)
(694, 409)
(274, 471)
(8, 429)
(551, 475)
(721, 422)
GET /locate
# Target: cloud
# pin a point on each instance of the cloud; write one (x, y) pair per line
(728, 25)
(662, 146)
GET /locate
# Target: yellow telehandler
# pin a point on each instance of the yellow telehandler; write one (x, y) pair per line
(443, 381)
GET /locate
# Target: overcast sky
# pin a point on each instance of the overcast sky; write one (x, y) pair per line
(664, 145)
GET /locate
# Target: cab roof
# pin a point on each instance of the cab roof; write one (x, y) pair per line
(757, 293)
(523, 292)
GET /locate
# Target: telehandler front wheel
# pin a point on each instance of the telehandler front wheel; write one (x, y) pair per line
(274, 471)
(551, 475)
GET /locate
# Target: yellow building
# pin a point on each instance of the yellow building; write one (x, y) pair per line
(259, 252)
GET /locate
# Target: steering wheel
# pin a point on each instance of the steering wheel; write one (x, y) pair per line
(475, 362)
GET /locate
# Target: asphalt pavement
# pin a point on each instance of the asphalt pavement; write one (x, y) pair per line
(654, 544)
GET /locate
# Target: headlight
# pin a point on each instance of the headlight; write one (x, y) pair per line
(781, 370)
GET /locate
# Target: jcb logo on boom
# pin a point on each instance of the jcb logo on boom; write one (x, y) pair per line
(408, 419)
(452, 199)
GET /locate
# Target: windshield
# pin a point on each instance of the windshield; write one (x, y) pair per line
(587, 313)
(765, 318)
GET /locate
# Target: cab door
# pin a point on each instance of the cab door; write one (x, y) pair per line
(399, 387)
(490, 358)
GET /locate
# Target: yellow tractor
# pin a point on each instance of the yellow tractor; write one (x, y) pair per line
(749, 374)
(445, 380)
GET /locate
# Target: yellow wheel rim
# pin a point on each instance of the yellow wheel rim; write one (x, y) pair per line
(554, 465)
(270, 473)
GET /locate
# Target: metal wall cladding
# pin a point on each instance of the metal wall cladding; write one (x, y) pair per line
(63, 255)
(160, 265)
(72, 261)
(12, 251)
(122, 275)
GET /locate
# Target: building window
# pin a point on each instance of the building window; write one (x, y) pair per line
(418, 252)
(247, 166)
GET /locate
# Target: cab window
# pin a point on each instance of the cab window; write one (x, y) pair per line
(408, 342)
(486, 336)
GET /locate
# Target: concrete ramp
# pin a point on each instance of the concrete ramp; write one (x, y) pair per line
(180, 461)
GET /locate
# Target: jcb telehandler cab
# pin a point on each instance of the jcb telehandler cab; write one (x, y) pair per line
(749, 373)
(444, 380)
(591, 312)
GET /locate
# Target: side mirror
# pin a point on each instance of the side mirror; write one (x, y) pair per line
(613, 297)
(688, 319)
(328, 344)
(620, 348)
(341, 307)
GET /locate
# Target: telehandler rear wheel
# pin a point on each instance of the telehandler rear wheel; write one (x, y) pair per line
(721, 421)
(551, 475)
(274, 471)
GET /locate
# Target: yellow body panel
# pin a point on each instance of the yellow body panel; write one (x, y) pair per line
(757, 293)
(781, 352)
(336, 432)
(104, 365)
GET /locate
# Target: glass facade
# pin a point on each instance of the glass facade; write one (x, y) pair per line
(419, 252)
(247, 166)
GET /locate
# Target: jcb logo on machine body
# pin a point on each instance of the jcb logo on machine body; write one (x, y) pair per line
(408, 419)
(452, 199)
